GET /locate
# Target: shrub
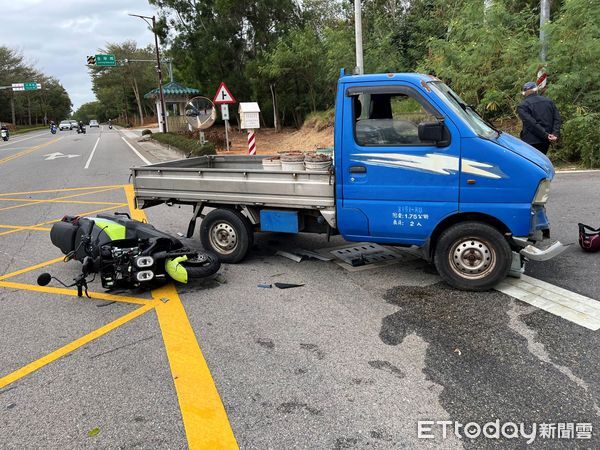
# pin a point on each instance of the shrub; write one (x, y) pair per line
(578, 140)
(320, 120)
(146, 131)
(185, 144)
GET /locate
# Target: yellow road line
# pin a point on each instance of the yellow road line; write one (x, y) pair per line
(46, 191)
(80, 202)
(4, 233)
(204, 418)
(29, 150)
(19, 227)
(73, 293)
(70, 347)
(53, 200)
(30, 268)
(135, 213)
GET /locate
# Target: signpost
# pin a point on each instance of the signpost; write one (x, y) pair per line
(105, 60)
(224, 98)
(250, 115)
(30, 86)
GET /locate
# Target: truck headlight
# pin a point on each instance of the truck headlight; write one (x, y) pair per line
(542, 193)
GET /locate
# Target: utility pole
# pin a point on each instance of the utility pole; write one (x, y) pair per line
(544, 18)
(359, 69)
(158, 70)
(12, 109)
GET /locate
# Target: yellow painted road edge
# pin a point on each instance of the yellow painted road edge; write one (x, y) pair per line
(30, 268)
(46, 191)
(71, 346)
(204, 417)
(33, 202)
(87, 213)
(73, 292)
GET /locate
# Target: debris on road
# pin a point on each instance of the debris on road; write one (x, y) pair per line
(287, 285)
(300, 251)
(289, 255)
(265, 286)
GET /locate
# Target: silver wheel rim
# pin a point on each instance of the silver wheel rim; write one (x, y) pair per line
(472, 258)
(223, 238)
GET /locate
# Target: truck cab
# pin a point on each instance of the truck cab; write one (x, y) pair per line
(415, 165)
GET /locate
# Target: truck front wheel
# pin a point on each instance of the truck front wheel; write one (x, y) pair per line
(472, 256)
(228, 233)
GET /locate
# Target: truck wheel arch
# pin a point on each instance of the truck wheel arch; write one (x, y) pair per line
(447, 222)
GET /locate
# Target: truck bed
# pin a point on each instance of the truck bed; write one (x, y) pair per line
(237, 180)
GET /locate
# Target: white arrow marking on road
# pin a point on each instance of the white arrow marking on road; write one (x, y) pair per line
(57, 155)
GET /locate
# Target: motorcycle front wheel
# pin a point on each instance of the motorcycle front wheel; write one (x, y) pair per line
(183, 269)
(203, 265)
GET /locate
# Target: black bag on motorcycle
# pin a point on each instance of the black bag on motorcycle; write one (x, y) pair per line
(63, 234)
(68, 234)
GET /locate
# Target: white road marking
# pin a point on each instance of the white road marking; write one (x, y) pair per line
(58, 155)
(87, 164)
(574, 307)
(136, 152)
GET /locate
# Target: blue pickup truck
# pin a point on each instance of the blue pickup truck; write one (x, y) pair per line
(414, 166)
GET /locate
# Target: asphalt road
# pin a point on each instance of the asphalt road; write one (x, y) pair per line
(349, 360)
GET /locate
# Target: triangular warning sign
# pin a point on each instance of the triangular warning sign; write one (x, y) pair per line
(223, 96)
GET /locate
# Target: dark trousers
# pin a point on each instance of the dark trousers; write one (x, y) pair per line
(542, 147)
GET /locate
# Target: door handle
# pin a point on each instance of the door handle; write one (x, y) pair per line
(358, 169)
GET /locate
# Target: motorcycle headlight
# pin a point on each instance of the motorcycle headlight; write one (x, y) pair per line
(144, 261)
(144, 275)
(542, 193)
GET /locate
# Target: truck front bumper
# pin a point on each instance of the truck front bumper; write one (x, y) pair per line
(535, 254)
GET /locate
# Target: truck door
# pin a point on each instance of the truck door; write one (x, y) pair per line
(395, 187)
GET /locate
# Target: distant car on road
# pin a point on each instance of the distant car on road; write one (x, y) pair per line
(94, 123)
(65, 125)
(74, 124)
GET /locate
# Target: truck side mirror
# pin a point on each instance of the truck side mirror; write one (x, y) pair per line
(431, 132)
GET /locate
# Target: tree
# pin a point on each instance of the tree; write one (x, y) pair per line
(486, 59)
(30, 107)
(121, 89)
(573, 67)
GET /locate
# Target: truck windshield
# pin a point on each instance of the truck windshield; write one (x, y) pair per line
(466, 112)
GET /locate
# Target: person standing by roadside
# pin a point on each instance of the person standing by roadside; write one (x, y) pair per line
(541, 119)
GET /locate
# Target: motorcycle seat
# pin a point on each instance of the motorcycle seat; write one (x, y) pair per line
(140, 230)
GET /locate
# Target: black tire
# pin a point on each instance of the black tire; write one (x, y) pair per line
(203, 265)
(472, 256)
(228, 233)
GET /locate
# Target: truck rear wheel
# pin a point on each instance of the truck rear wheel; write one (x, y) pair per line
(228, 233)
(472, 256)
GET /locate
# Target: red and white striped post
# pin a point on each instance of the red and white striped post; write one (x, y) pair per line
(251, 142)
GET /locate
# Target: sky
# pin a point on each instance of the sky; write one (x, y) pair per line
(57, 35)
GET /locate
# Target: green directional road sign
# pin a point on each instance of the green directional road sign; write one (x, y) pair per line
(32, 86)
(106, 60)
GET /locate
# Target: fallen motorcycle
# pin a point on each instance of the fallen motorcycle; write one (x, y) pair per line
(126, 253)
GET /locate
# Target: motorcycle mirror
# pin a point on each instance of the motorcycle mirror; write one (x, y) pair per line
(44, 279)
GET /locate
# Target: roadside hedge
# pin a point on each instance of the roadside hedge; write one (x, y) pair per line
(186, 145)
